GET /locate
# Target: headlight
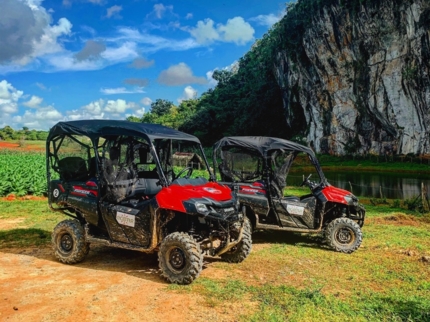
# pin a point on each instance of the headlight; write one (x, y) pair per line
(351, 199)
(201, 208)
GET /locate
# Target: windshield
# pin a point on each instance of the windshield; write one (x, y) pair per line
(181, 158)
(238, 164)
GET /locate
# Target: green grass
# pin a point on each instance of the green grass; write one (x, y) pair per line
(30, 222)
(294, 277)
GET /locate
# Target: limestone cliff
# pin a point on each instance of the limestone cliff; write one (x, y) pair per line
(362, 79)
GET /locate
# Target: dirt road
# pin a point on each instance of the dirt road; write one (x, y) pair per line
(110, 285)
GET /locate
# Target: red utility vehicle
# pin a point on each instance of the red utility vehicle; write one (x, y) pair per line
(260, 166)
(123, 187)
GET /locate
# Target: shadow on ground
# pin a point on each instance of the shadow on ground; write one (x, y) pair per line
(37, 243)
(289, 238)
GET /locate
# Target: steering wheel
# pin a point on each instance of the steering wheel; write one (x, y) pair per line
(306, 181)
(188, 170)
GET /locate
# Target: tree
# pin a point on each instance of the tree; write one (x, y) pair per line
(133, 119)
(161, 107)
(222, 76)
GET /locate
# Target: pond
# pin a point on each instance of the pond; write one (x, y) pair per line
(390, 185)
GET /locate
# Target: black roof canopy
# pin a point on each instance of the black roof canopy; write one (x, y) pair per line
(100, 128)
(264, 146)
(261, 144)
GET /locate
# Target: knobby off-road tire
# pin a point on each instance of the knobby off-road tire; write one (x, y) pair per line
(68, 241)
(344, 235)
(241, 251)
(180, 258)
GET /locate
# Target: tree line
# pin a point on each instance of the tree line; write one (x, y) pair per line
(8, 133)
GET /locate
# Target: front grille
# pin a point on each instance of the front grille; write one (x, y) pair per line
(225, 211)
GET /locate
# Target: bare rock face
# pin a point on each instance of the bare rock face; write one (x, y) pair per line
(363, 83)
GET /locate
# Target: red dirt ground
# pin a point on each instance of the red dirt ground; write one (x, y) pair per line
(12, 197)
(15, 146)
(110, 285)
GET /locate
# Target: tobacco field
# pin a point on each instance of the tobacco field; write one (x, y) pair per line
(22, 173)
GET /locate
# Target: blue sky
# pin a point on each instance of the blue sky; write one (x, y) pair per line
(94, 59)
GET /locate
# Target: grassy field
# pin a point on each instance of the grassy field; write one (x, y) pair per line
(295, 277)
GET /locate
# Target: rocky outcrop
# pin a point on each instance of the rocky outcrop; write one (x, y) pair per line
(362, 80)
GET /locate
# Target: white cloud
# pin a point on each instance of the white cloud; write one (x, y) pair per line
(151, 43)
(75, 115)
(268, 20)
(103, 109)
(121, 90)
(125, 52)
(41, 86)
(159, 11)
(211, 82)
(9, 97)
(236, 30)
(26, 31)
(34, 102)
(68, 61)
(114, 12)
(187, 94)
(205, 32)
(179, 75)
(118, 106)
(189, 16)
(95, 108)
(40, 119)
(137, 113)
(146, 101)
(68, 3)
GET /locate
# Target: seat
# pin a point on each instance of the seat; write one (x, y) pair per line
(291, 199)
(147, 184)
(73, 168)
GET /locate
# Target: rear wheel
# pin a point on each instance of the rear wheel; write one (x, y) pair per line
(68, 241)
(344, 235)
(180, 258)
(241, 251)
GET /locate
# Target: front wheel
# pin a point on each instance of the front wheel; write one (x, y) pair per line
(180, 258)
(68, 241)
(344, 235)
(241, 251)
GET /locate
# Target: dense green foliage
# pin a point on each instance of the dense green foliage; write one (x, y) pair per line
(166, 113)
(22, 173)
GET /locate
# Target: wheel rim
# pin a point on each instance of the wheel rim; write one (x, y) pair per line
(66, 243)
(345, 236)
(176, 259)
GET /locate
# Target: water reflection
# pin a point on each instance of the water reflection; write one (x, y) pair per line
(374, 184)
